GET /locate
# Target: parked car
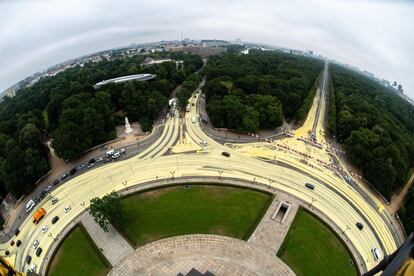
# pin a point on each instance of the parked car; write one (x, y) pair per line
(55, 219)
(122, 151)
(39, 251)
(29, 206)
(64, 176)
(116, 155)
(81, 167)
(91, 165)
(309, 186)
(35, 244)
(224, 153)
(359, 225)
(73, 171)
(67, 208)
(49, 188)
(103, 147)
(100, 159)
(92, 161)
(44, 228)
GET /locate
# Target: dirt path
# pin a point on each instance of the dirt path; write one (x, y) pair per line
(397, 200)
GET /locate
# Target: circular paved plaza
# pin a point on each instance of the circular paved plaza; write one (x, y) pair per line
(217, 254)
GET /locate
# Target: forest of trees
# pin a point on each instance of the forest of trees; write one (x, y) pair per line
(256, 91)
(376, 127)
(69, 110)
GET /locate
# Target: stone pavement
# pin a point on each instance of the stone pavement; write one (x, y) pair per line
(218, 254)
(271, 232)
(113, 246)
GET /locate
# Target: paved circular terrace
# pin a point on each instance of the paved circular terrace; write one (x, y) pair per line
(217, 254)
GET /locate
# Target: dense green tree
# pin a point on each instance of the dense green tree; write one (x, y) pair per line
(107, 210)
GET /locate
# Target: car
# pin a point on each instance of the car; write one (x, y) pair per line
(122, 151)
(192, 104)
(49, 188)
(18, 243)
(28, 259)
(91, 165)
(55, 219)
(16, 232)
(11, 243)
(67, 208)
(100, 159)
(116, 155)
(73, 171)
(224, 153)
(7, 252)
(39, 251)
(32, 268)
(64, 176)
(54, 200)
(103, 147)
(57, 181)
(35, 244)
(203, 143)
(359, 225)
(30, 205)
(44, 228)
(309, 186)
(92, 161)
(81, 167)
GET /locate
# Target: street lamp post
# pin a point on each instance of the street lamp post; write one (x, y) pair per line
(313, 200)
(83, 204)
(220, 172)
(347, 228)
(51, 236)
(270, 183)
(125, 184)
(172, 174)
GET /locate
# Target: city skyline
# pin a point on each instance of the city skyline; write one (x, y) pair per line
(40, 34)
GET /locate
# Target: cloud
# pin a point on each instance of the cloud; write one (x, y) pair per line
(373, 35)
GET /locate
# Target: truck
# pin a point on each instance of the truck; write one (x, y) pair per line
(40, 213)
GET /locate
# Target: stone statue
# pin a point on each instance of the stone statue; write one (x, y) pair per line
(128, 128)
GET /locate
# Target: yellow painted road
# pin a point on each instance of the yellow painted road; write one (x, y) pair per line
(332, 195)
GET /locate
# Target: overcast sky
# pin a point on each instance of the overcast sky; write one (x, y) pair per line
(377, 36)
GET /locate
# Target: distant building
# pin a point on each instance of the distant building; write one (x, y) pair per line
(137, 77)
(199, 50)
(213, 43)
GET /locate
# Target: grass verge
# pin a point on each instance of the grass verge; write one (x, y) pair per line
(78, 255)
(311, 248)
(202, 209)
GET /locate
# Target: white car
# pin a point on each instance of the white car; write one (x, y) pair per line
(203, 143)
(54, 200)
(67, 208)
(91, 165)
(44, 228)
(30, 205)
(122, 151)
(49, 188)
(35, 244)
(100, 159)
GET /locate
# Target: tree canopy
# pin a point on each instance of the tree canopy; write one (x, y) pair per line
(77, 117)
(256, 91)
(107, 210)
(376, 127)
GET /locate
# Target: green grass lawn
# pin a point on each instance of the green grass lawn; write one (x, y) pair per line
(78, 255)
(203, 209)
(311, 248)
